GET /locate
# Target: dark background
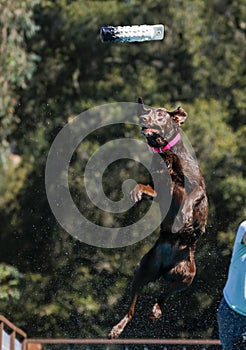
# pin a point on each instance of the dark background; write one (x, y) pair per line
(53, 66)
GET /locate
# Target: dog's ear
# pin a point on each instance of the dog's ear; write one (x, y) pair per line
(140, 100)
(179, 115)
(141, 108)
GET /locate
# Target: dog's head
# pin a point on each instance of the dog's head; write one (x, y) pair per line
(159, 125)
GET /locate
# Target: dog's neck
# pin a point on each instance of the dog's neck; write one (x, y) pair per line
(169, 145)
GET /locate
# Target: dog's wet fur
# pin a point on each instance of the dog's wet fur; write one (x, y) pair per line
(176, 175)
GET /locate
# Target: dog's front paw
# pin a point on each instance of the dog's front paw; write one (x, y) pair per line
(136, 194)
(156, 312)
(114, 333)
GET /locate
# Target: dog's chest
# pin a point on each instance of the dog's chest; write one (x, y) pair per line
(166, 171)
(161, 165)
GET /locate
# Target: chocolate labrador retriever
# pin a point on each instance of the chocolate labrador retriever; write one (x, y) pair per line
(176, 175)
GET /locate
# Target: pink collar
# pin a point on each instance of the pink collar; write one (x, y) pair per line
(168, 146)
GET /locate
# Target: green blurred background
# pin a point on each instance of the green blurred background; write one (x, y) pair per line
(53, 66)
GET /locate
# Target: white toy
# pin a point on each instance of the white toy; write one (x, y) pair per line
(140, 33)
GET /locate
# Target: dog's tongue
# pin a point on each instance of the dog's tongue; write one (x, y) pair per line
(148, 131)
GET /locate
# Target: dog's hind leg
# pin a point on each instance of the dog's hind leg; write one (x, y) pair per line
(173, 288)
(145, 272)
(118, 329)
(136, 287)
(181, 276)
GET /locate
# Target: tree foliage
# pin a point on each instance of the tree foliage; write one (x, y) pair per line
(17, 64)
(53, 67)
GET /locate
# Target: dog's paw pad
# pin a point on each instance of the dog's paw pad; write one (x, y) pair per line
(156, 312)
(114, 333)
(136, 196)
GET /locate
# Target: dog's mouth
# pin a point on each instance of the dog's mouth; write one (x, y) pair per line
(147, 132)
